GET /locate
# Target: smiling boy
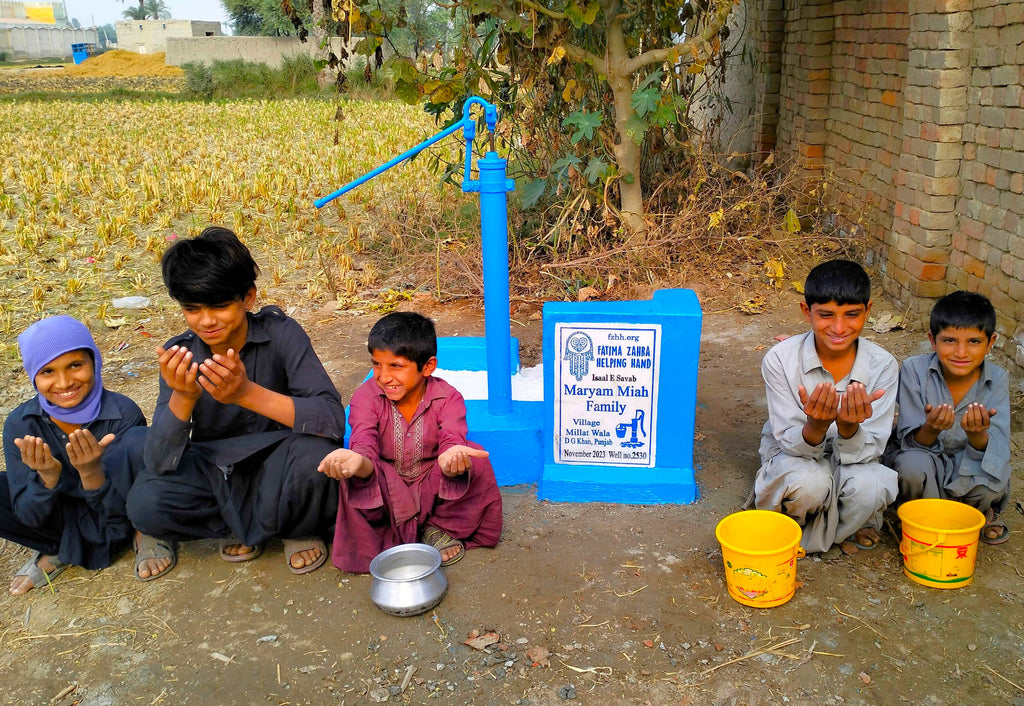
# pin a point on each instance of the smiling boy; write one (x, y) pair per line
(245, 413)
(952, 436)
(409, 474)
(831, 399)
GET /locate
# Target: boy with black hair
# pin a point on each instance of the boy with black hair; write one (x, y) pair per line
(245, 413)
(952, 437)
(409, 474)
(831, 400)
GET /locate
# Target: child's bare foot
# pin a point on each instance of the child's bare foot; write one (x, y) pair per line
(35, 573)
(232, 550)
(449, 553)
(153, 557)
(866, 538)
(305, 554)
(995, 531)
(451, 549)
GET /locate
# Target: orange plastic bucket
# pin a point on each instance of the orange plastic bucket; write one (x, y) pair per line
(760, 549)
(940, 541)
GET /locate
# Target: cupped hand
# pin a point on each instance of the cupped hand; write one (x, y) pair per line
(179, 371)
(84, 451)
(822, 405)
(35, 453)
(855, 405)
(976, 418)
(940, 417)
(341, 464)
(224, 377)
(457, 459)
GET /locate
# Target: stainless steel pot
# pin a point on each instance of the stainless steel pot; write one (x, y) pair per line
(407, 579)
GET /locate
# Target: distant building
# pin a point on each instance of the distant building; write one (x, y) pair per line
(149, 36)
(22, 12)
(38, 30)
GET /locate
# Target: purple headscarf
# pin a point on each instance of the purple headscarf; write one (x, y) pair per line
(47, 340)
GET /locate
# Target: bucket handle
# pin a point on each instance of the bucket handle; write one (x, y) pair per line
(941, 538)
(800, 553)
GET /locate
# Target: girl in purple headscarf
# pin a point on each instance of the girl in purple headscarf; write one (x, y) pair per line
(70, 461)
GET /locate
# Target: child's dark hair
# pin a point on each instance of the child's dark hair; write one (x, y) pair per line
(963, 310)
(406, 334)
(840, 281)
(212, 268)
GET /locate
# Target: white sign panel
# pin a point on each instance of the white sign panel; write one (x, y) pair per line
(606, 392)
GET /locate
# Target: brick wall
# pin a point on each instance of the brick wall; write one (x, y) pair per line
(913, 110)
(865, 111)
(987, 253)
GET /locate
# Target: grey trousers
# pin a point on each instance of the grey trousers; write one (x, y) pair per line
(830, 502)
(921, 475)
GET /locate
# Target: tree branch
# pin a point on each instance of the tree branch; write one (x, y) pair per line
(544, 11)
(658, 56)
(579, 54)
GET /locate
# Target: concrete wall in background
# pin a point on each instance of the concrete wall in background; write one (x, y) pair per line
(41, 41)
(149, 36)
(267, 50)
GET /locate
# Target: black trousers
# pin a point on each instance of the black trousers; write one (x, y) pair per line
(45, 539)
(277, 492)
(83, 533)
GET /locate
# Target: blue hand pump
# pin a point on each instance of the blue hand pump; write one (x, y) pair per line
(493, 187)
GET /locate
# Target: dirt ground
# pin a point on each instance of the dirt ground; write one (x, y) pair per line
(629, 601)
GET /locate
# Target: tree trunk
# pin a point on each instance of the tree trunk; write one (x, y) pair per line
(627, 150)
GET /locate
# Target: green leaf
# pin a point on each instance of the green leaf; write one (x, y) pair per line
(596, 170)
(401, 69)
(530, 192)
(407, 92)
(585, 123)
(575, 14)
(653, 80)
(366, 46)
(636, 128)
(645, 101)
(590, 13)
(561, 168)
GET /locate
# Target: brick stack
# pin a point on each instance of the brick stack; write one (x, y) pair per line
(767, 28)
(936, 103)
(987, 252)
(804, 85)
(869, 64)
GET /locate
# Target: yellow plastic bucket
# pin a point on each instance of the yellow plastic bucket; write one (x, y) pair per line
(940, 541)
(760, 549)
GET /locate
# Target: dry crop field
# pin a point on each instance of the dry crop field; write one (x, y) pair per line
(93, 192)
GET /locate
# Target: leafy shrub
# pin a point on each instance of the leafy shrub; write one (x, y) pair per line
(198, 80)
(298, 74)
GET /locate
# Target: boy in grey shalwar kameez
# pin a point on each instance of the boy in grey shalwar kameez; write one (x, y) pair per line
(831, 399)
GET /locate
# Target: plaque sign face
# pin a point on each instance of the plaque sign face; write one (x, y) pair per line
(606, 393)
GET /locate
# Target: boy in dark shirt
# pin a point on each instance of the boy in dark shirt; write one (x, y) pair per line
(245, 413)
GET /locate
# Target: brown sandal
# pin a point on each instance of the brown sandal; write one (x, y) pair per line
(992, 521)
(441, 540)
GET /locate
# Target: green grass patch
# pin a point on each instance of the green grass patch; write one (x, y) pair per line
(237, 79)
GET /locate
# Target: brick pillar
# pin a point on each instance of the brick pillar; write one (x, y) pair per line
(927, 181)
(768, 30)
(806, 81)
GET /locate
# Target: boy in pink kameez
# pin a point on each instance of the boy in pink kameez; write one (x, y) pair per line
(409, 474)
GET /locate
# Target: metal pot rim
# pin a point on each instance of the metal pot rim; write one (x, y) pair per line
(435, 558)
